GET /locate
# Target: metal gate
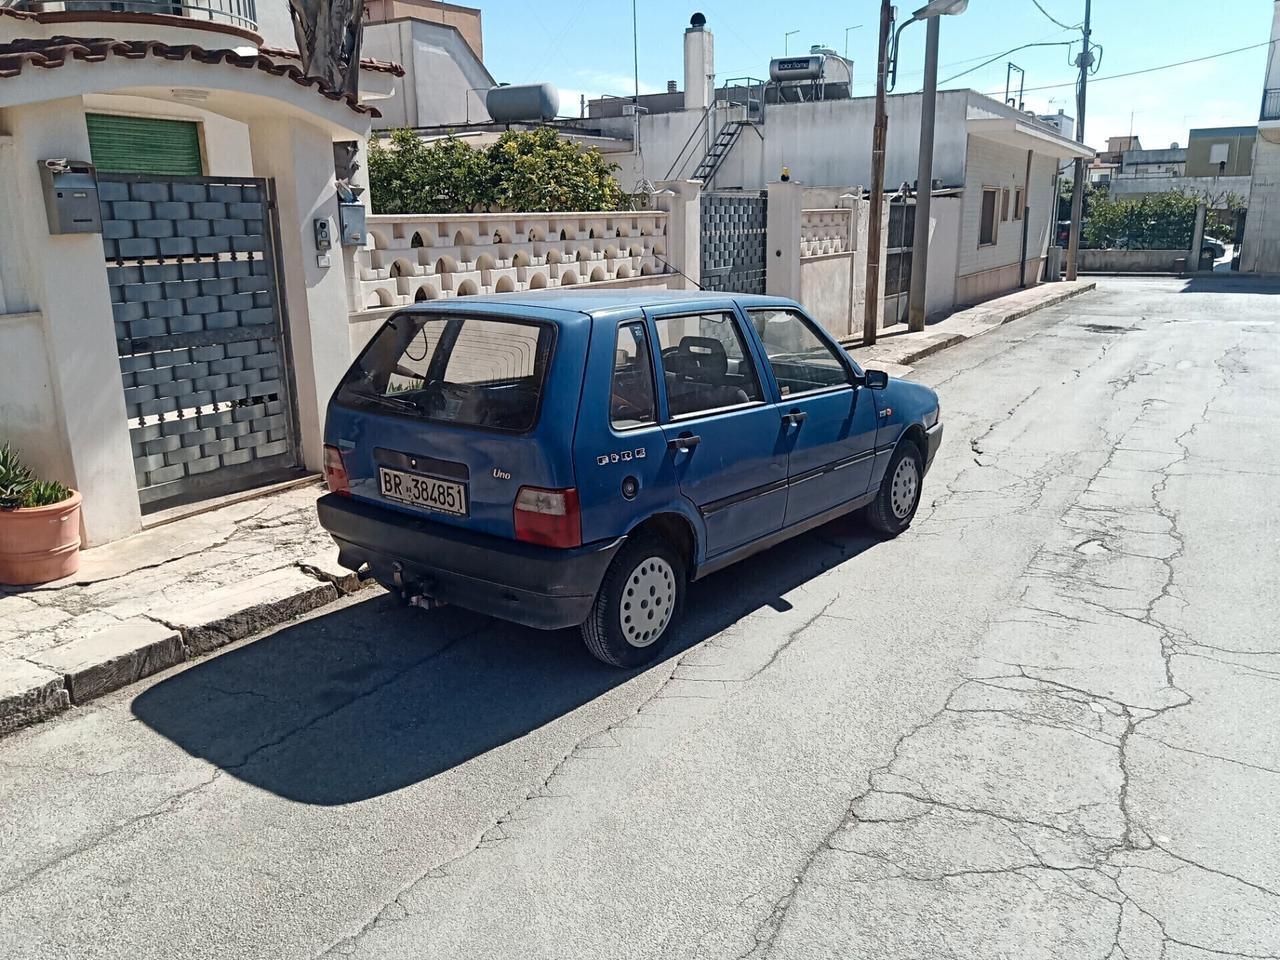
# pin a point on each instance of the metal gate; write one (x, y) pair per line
(897, 268)
(733, 241)
(200, 334)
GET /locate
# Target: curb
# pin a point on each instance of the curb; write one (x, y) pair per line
(944, 342)
(46, 683)
(1052, 301)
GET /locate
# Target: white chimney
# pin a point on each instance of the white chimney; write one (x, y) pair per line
(699, 64)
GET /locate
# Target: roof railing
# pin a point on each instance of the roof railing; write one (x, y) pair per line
(235, 13)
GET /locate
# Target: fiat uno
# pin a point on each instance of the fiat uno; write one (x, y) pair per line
(576, 459)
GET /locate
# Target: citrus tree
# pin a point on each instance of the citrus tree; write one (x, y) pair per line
(535, 171)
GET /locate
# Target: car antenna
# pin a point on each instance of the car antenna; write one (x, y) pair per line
(679, 271)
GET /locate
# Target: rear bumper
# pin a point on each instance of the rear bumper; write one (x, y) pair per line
(536, 586)
(933, 440)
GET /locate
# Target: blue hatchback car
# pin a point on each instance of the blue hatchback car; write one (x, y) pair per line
(576, 459)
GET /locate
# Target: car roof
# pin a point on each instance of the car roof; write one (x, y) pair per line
(597, 303)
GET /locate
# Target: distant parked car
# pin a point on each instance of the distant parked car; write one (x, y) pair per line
(575, 459)
(1213, 247)
(1064, 232)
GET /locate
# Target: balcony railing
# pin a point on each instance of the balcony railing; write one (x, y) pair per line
(236, 13)
(1270, 104)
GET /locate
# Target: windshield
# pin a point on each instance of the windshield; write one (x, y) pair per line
(468, 371)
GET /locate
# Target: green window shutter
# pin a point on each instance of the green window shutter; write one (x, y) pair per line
(144, 145)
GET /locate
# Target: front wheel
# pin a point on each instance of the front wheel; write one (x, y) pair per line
(896, 501)
(641, 593)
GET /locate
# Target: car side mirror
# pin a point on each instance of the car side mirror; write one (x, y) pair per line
(875, 379)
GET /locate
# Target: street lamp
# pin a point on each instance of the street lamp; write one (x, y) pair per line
(846, 38)
(930, 12)
(786, 41)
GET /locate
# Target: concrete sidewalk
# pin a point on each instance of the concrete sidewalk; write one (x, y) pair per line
(169, 594)
(896, 349)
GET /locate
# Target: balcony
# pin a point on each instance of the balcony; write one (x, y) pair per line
(238, 14)
(1270, 105)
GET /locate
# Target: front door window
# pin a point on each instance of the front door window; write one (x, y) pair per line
(801, 360)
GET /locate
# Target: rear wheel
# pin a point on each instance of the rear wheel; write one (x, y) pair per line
(896, 502)
(641, 593)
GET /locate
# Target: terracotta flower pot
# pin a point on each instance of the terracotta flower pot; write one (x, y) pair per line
(39, 544)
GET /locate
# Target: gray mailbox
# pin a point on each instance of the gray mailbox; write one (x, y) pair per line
(71, 196)
(351, 224)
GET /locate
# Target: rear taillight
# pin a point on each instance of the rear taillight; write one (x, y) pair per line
(335, 471)
(548, 517)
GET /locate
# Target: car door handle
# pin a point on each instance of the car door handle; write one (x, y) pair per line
(794, 418)
(686, 441)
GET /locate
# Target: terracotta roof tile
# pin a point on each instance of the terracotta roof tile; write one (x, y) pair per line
(48, 54)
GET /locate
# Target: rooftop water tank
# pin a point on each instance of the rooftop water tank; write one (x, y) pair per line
(797, 68)
(526, 101)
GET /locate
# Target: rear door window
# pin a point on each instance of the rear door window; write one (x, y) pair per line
(705, 363)
(631, 399)
(484, 372)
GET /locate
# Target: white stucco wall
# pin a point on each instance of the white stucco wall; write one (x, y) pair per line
(1261, 249)
(828, 142)
(440, 72)
(77, 431)
(985, 271)
(275, 26)
(1260, 252)
(945, 214)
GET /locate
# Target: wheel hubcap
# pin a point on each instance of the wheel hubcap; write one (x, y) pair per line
(648, 601)
(903, 488)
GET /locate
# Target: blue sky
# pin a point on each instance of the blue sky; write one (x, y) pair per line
(584, 46)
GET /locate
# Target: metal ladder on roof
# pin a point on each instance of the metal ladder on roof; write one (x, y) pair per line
(718, 150)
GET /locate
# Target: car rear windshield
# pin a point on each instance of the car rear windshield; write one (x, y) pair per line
(469, 371)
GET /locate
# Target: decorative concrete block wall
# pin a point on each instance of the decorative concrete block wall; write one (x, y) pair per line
(411, 258)
(826, 232)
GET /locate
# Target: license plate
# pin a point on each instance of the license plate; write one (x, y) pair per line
(442, 496)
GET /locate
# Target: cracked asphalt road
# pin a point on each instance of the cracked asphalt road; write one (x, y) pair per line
(1041, 724)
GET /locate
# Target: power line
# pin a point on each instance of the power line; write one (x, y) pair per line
(1052, 18)
(1000, 56)
(960, 63)
(1163, 66)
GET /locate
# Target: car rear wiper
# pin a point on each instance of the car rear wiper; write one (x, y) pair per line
(391, 400)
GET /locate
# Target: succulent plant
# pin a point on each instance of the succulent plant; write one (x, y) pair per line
(44, 493)
(19, 486)
(16, 479)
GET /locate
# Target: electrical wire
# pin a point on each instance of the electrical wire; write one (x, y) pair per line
(999, 56)
(1163, 66)
(1053, 19)
(957, 63)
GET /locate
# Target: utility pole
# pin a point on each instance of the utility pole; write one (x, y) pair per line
(924, 181)
(871, 304)
(1085, 60)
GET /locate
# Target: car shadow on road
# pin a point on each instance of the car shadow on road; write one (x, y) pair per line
(374, 697)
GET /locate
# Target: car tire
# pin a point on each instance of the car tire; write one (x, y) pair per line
(642, 592)
(898, 498)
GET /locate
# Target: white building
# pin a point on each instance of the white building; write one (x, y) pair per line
(441, 48)
(999, 165)
(1260, 251)
(147, 330)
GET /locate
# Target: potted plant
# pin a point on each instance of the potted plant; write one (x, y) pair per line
(39, 525)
